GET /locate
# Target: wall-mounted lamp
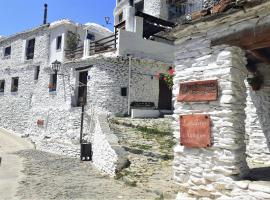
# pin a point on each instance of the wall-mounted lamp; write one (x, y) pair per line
(56, 66)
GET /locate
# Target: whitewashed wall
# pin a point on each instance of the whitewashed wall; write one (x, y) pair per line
(136, 45)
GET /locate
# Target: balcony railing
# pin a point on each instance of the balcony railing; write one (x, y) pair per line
(104, 45)
(74, 54)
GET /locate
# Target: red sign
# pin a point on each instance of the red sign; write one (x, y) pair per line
(40, 122)
(198, 91)
(195, 131)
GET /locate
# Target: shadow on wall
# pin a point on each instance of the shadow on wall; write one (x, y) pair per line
(261, 101)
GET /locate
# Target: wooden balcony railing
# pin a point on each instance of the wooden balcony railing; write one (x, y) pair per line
(104, 45)
(74, 54)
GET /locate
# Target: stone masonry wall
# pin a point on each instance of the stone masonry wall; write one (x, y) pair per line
(239, 117)
(211, 172)
(16, 106)
(107, 77)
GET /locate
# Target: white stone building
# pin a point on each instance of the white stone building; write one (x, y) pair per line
(106, 71)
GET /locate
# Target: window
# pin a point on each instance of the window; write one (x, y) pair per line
(59, 42)
(90, 36)
(120, 17)
(7, 51)
(131, 2)
(124, 92)
(14, 84)
(30, 49)
(37, 70)
(53, 83)
(2, 86)
(139, 6)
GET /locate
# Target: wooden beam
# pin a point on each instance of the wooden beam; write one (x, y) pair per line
(260, 55)
(250, 37)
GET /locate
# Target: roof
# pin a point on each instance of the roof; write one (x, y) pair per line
(63, 22)
(97, 27)
(225, 20)
(21, 34)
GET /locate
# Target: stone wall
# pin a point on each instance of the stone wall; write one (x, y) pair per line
(108, 76)
(108, 156)
(210, 172)
(60, 128)
(16, 106)
(239, 118)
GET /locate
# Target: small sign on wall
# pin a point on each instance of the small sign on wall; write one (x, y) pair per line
(198, 91)
(40, 122)
(195, 131)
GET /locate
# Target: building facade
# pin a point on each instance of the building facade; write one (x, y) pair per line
(97, 69)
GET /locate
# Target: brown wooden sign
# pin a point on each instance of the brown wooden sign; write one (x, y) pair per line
(195, 131)
(198, 91)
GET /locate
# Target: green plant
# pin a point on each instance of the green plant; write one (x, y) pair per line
(73, 40)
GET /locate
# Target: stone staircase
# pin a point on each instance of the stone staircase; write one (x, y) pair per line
(150, 145)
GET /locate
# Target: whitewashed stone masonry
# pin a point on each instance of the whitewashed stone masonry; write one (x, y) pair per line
(210, 172)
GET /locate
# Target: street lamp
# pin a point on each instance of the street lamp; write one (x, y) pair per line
(56, 66)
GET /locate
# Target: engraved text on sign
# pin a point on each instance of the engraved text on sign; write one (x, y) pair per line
(195, 131)
(198, 91)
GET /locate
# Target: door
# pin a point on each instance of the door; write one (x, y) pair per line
(82, 91)
(165, 96)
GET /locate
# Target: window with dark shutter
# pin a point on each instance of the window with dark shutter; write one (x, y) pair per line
(53, 82)
(15, 84)
(59, 42)
(120, 17)
(30, 49)
(37, 70)
(7, 52)
(2, 86)
(123, 91)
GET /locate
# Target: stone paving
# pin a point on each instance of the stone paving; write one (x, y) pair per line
(49, 176)
(149, 143)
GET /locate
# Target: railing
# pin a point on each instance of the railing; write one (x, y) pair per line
(74, 54)
(104, 45)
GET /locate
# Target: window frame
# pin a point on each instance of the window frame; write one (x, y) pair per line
(7, 55)
(37, 72)
(13, 87)
(2, 89)
(53, 82)
(124, 91)
(30, 50)
(120, 17)
(59, 43)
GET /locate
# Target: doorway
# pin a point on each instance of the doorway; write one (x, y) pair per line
(82, 88)
(165, 96)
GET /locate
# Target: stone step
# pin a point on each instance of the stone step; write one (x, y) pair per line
(148, 153)
(169, 117)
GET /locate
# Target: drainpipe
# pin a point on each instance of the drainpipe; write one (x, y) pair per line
(129, 82)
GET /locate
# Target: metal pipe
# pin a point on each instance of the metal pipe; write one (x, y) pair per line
(82, 117)
(129, 83)
(45, 13)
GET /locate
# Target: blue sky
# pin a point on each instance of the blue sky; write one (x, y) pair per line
(19, 15)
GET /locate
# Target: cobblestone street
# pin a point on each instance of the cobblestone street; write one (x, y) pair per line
(48, 176)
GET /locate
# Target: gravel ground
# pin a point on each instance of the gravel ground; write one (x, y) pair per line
(48, 176)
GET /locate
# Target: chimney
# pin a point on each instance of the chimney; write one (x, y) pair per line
(45, 13)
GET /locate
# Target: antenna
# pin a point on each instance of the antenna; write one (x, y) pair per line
(107, 20)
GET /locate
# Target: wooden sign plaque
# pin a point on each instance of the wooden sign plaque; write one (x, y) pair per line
(195, 131)
(198, 91)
